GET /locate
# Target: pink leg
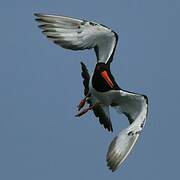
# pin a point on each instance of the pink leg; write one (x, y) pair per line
(85, 110)
(82, 102)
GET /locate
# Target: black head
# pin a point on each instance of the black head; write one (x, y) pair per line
(100, 67)
(102, 78)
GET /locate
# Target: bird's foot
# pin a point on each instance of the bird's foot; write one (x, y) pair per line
(82, 102)
(84, 111)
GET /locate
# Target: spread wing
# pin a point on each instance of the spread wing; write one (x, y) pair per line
(135, 107)
(76, 34)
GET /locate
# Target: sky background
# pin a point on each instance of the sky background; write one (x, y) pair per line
(40, 86)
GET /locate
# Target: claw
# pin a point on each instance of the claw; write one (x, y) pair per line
(83, 101)
(84, 111)
(81, 104)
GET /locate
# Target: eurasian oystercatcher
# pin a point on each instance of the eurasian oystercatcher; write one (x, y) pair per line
(101, 90)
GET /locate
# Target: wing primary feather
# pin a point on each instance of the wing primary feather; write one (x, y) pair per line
(86, 77)
(103, 118)
(77, 34)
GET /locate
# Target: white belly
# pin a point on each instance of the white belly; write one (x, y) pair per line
(103, 97)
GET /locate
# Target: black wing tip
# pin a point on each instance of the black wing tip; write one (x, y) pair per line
(146, 98)
(112, 169)
(35, 14)
(39, 17)
(109, 128)
(86, 77)
(82, 64)
(106, 124)
(38, 14)
(110, 157)
(116, 36)
(103, 119)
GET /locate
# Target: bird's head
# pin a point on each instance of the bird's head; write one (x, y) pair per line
(102, 69)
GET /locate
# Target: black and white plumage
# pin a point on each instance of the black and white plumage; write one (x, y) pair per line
(100, 111)
(101, 89)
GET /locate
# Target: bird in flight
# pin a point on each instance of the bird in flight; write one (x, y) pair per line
(100, 89)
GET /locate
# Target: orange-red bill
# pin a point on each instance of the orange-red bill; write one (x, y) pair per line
(105, 75)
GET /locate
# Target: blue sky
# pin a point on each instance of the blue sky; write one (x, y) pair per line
(41, 85)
